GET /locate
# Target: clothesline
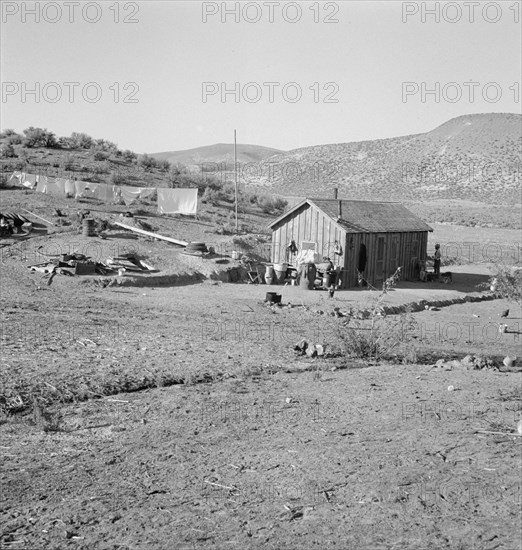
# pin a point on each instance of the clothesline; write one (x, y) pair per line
(170, 201)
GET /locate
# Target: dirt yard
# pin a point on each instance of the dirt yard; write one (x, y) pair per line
(180, 417)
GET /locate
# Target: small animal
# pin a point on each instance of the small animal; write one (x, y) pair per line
(447, 278)
(331, 292)
(505, 313)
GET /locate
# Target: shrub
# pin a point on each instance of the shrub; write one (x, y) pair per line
(507, 281)
(104, 145)
(118, 179)
(23, 155)
(211, 196)
(271, 205)
(39, 137)
(163, 165)
(4, 181)
(100, 169)
(14, 139)
(251, 198)
(79, 140)
(67, 163)
(147, 162)
(181, 176)
(369, 334)
(100, 155)
(7, 133)
(129, 155)
(65, 142)
(7, 151)
(45, 419)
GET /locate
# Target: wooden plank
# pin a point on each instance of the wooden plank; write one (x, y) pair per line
(37, 216)
(317, 235)
(150, 234)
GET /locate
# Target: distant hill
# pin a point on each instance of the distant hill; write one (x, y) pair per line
(218, 153)
(472, 157)
(469, 158)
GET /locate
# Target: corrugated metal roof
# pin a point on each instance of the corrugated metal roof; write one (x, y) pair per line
(366, 216)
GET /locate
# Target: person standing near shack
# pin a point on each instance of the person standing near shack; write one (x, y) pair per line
(436, 262)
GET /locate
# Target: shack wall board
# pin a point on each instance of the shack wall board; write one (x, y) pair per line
(306, 224)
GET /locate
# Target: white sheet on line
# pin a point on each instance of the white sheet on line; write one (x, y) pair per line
(177, 201)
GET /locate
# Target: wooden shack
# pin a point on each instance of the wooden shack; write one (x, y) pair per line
(364, 238)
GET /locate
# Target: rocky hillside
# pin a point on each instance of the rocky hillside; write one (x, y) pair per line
(472, 157)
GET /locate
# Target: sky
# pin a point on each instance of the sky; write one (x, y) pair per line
(161, 76)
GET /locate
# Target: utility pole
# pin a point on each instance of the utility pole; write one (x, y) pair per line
(235, 175)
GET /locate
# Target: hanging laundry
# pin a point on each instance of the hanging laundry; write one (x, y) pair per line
(29, 180)
(130, 194)
(91, 190)
(80, 187)
(147, 192)
(104, 192)
(56, 187)
(18, 175)
(21, 177)
(41, 185)
(178, 201)
(70, 189)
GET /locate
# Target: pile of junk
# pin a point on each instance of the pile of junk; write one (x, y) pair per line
(79, 264)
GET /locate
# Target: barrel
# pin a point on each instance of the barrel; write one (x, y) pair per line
(88, 227)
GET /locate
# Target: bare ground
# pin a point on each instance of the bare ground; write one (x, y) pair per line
(221, 447)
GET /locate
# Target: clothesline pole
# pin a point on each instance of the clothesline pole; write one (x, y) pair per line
(235, 175)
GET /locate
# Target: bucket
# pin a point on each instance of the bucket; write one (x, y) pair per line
(269, 280)
(281, 267)
(273, 297)
(269, 271)
(88, 227)
(280, 272)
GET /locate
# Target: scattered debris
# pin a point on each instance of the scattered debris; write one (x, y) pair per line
(476, 362)
(85, 268)
(14, 224)
(196, 249)
(103, 283)
(129, 262)
(304, 347)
